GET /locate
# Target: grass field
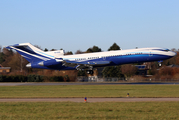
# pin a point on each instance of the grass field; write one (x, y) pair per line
(107, 110)
(103, 110)
(89, 91)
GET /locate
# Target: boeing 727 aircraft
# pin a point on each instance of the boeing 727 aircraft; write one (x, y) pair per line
(56, 60)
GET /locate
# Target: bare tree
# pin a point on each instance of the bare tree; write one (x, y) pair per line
(0, 48)
(38, 47)
(177, 58)
(128, 70)
(79, 52)
(69, 53)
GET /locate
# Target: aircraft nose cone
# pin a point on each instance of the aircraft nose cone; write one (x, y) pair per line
(173, 53)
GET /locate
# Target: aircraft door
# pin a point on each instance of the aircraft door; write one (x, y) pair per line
(150, 53)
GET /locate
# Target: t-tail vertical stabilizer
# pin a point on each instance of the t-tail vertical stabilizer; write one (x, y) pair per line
(34, 54)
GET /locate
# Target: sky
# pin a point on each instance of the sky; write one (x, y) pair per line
(80, 24)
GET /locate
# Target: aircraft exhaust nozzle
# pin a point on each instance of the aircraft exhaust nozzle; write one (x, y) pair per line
(48, 63)
(41, 63)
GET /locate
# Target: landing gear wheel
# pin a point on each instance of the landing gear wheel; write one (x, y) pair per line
(89, 72)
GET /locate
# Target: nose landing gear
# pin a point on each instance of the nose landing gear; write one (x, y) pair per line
(160, 63)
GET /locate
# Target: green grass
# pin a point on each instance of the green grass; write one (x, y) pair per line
(106, 110)
(89, 91)
(103, 110)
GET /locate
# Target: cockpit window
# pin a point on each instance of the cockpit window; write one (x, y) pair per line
(166, 50)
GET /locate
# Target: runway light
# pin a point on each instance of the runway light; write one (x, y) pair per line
(127, 94)
(85, 100)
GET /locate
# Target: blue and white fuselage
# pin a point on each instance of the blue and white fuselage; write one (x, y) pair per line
(58, 61)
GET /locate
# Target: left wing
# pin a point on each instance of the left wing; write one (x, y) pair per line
(84, 64)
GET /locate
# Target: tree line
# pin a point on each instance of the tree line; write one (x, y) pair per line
(10, 58)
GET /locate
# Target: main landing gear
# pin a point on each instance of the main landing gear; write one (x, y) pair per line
(90, 72)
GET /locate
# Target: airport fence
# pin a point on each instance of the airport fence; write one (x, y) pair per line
(39, 78)
(122, 79)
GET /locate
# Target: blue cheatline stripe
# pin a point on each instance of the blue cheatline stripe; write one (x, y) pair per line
(46, 54)
(29, 57)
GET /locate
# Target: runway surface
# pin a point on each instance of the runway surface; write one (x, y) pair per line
(85, 83)
(89, 99)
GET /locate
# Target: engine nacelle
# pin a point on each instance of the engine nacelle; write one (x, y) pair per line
(48, 63)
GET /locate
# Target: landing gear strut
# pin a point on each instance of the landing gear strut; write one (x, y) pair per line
(159, 64)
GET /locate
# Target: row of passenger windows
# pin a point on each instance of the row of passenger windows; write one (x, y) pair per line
(87, 58)
(105, 56)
